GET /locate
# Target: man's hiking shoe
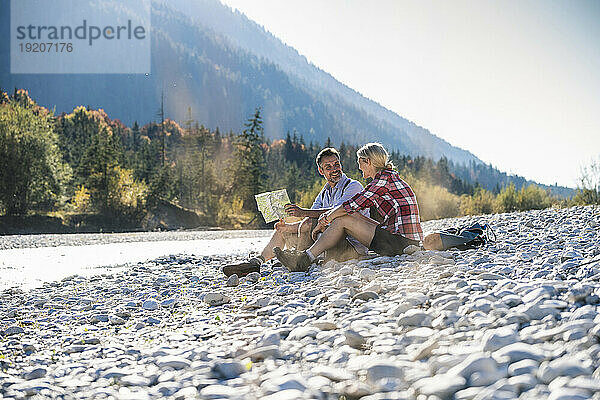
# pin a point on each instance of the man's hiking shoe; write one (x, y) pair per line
(295, 261)
(243, 268)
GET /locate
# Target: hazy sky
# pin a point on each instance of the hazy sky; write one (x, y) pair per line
(515, 82)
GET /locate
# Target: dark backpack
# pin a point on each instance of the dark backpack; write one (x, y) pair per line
(468, 237)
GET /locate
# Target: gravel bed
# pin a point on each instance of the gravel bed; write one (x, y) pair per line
(516, 319)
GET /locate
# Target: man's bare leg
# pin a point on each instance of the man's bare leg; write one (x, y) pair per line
(277, 240)
(304, 233)
(291, 239)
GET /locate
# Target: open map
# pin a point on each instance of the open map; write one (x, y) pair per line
(271, 204)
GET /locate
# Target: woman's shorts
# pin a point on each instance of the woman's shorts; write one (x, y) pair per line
(387, 243)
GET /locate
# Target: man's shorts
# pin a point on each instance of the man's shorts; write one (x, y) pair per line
(386, 243)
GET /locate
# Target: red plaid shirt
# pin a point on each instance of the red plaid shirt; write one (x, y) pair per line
(394, 200)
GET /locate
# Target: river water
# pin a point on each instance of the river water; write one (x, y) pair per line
(32, 266)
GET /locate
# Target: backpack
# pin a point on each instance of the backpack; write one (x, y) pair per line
(468, 237)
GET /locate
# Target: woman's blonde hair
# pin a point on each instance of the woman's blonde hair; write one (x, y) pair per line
(377, 154)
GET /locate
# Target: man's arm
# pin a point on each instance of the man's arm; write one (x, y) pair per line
(295, 211)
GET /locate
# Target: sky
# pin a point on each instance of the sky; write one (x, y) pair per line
(517, 83)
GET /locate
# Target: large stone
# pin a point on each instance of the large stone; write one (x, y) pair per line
(116, 320)
(301, 332)
(285, 382)
(411, 249)
(324, 325)
(333, 374)
(253, 277)
(269, 338)
(535, 311)
(228, 369)
(354, 339)
(99, 318)
(174, 362)
(538, 294)
(498, 338)
(564, 366)
(168, 303)
(400, 309)
(352, 389)
(523, 367)
(216, 299)
(565, 393)
(545, 334)
(381, 370)
(344, 271)
(367, 274)
(443, 386)
(219, 392)
(115, 372)
(262, 353)
(135, 380)
(523, 382)
(519, 351)
(150, 305)
(414, 317)
(296, 319)
(13, 330)
(233, 280)
(365, 296)
(586, 383)
(36, 373)
(424, 350)
(474, 363)
(346, 282)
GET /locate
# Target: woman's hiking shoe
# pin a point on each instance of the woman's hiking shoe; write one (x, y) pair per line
(243, 268)
(294, 260)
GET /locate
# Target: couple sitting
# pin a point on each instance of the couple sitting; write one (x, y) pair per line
(340, 213)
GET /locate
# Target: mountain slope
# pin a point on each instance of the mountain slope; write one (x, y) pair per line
(223, 66)
(254, 39)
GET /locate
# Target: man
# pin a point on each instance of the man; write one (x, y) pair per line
(338, 189)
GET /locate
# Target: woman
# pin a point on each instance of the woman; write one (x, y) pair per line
(392, 198)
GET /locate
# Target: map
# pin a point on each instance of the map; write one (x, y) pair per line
(271, 204)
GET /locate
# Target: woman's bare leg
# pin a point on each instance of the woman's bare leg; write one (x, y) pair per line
(355, 225)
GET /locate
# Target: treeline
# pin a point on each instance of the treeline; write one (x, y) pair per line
(86, 163)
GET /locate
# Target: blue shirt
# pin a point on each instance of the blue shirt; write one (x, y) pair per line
(331, 197)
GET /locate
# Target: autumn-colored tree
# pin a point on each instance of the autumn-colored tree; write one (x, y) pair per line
(32, 172)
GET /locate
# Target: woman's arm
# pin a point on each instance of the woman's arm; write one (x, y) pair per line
(332, 214)
(326, 218)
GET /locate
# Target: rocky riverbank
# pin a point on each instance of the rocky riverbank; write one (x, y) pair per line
(515, 319)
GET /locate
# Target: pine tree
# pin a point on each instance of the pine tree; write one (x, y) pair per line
(248, 164)
(98, 165)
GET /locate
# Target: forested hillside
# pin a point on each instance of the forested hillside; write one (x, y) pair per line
(86, 166)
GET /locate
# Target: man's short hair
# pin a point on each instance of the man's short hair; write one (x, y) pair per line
(326, 152)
